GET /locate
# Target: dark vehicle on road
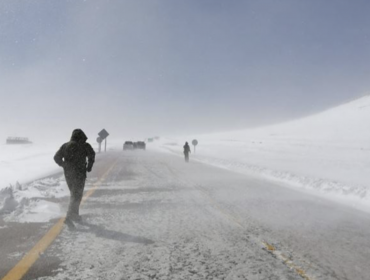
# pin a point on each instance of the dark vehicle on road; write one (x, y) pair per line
(140, 145)
(128, 145)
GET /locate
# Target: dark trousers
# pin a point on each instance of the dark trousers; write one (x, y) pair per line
(76, 186)
(186, 157)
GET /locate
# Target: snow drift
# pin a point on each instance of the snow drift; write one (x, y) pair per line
(327, 154)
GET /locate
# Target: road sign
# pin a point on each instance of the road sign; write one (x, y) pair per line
(195, 143)
(103, 134)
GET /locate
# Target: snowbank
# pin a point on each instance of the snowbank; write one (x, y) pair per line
(24, 197)
(327, 154)
(33, 202)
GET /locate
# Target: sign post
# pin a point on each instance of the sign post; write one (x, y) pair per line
(99, 140)
(103, 134)
(195, 143)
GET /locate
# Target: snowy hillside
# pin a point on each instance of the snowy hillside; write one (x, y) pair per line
(346, 123)
(327, 154)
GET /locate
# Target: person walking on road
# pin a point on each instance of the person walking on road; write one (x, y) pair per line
(72, 157)
(186, 151)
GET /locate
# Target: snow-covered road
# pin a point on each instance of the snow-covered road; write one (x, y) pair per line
(156, 217)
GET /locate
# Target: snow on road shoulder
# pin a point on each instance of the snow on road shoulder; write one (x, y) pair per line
(356, 196)
(327, 154)
(34, 202)
(24, 197)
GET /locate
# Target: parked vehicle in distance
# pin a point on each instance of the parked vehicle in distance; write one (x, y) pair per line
(128, 145)
(18, 140)
(140, 145)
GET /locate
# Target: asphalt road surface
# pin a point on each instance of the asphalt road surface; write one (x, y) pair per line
(153, 216)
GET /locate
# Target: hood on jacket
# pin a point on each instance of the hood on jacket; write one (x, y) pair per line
(78, 136)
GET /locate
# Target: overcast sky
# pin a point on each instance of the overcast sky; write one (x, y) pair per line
(160, 67)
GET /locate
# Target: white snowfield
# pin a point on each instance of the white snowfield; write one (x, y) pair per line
(24, 163)
(327, 154)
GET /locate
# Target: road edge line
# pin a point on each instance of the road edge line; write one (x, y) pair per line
(24, 265)
(265, 245)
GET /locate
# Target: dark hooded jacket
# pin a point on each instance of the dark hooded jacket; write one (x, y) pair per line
(186, 148)
(73, 154)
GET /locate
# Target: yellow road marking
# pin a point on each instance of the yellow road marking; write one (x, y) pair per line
(21, 268)
(269, 247)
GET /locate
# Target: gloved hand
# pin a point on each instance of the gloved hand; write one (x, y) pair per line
(89, 167)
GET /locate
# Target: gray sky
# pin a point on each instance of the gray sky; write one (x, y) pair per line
(158, 67)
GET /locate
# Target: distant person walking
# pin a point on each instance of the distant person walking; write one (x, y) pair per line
(72, 157)
(186, 151)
